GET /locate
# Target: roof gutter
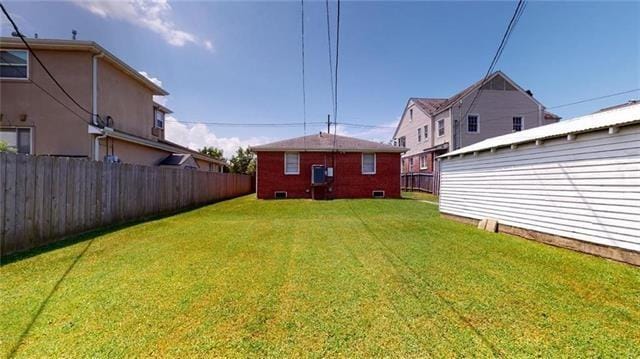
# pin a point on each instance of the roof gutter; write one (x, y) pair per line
(110, 132)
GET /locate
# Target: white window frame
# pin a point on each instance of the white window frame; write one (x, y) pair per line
(425, 131)
(16, 131)
(297, 172)
(410, 115)
(419, 134)
(444, 130)
(521, 123)
(477, 116)
(423, 162)
(157, 110)
(28, 67)
(362, 163)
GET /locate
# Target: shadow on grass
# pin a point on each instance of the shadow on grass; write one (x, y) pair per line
(44, 303)
(90, 235)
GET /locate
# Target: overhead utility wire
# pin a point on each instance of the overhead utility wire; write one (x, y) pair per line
(335, 94)
(563, 105)
(304, 90)
(15, 27)
(53, 97)
(496, 57)
(330, 57)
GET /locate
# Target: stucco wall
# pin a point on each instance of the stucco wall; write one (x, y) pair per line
(349, 181)
(128, 102)
(55, 130)
(133, 153)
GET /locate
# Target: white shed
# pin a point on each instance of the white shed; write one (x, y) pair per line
(577, 179)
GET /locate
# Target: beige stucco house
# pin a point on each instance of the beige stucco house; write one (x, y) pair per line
(430, 127)
(37, 118)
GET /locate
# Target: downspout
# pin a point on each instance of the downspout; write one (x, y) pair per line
(94, 104)
(96, 147)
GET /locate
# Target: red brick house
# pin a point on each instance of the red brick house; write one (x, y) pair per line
(325, 166)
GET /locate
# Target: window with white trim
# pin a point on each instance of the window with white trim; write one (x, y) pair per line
(411, 164)
(419, 135)
(426, 132)
(518, 124)
(158, 118)
(473, 124)
(292, 163)
(402, 141)
(423, 162)
(368, 163)
(14, 64)
(440, 124)
(17, 138)
(411, 115)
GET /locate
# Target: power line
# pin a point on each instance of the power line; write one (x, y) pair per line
(561, 105)
(15, 27)
(496, 57)
(53, 97)
(232, 124)
(60, 102)
(335, 94)
(304, 90)
(594, 98)
(330, 56)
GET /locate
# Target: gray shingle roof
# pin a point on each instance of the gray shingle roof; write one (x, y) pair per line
(325, 142)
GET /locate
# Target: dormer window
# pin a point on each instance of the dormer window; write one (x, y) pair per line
(158, 118)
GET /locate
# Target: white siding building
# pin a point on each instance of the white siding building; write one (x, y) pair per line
(577, 179)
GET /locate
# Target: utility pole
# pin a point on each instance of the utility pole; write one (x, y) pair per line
(329, 124)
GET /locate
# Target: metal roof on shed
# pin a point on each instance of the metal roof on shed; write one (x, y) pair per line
(599, 120)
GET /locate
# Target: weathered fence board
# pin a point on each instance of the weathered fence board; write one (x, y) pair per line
(44, 199)
(426, 182)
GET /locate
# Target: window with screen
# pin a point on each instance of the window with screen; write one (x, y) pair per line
(14, 64)
(440, 127)
(291, 163)
(419, 135)
(368, 163)
(426, 132)
(517, 124)
(472, 123)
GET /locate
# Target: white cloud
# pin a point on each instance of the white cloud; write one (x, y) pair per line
(158, 99)
(154, 15)
(196, 136)
(383, 134)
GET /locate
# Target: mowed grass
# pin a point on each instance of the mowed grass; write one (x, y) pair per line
(420, 196)
(311, 279)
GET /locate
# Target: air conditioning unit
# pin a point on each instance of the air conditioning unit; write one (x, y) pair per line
(111, 159)
(318, 175)
(157, 131)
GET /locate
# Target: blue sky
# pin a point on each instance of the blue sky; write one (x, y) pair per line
(240, 62)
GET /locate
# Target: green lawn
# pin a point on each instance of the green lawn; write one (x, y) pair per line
(420, 196)
(302, 278)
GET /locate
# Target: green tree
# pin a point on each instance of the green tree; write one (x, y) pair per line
(244, 161)
(214, 152)
(4, 147)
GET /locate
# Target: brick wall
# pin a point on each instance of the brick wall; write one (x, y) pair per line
(408, 167)
(349, 181)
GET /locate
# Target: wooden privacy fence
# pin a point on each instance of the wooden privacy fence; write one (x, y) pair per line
(43, 198)
(418, 182)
